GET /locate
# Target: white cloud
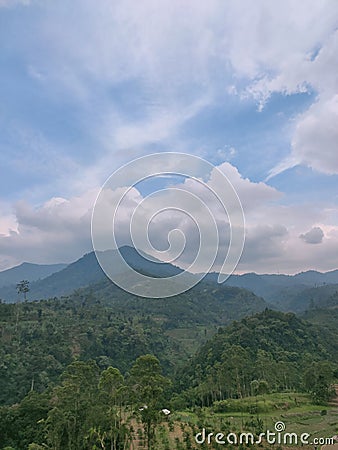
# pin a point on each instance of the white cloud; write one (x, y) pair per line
(285, 48)
(315, 141)
(8, 225)
(264, 242)
(182, 56)
(251, 194)
(176, 43)
(59, 230)
(158, 127)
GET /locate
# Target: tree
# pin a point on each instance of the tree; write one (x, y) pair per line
(23, 288)
(75, 403)
(317, 380)
(113, 431)
(148, 386)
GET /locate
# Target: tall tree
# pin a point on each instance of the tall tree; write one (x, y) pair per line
(75, 403)
(317, 380)
(113, 431)
(23, 288)
(148, 386)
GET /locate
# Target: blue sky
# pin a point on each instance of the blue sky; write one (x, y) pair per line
(87, 86)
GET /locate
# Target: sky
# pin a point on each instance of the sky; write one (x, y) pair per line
(252, 87)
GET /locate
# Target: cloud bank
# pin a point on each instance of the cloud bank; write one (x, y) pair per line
(60, 228)
(89, 86)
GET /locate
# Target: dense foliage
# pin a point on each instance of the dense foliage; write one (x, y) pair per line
(268, 351)
(89, 409)
(94, 371)
(38, 339)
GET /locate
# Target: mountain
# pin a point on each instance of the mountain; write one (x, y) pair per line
(28, 271)
(204, 304)
(279, 289)
(86, 271)
(80, 273)
(284, 292)
(298, 300)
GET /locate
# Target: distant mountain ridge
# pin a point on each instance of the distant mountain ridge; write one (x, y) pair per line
(288, 292)
(86, 271)
(28, 271)
(284, 292)
(263, 281)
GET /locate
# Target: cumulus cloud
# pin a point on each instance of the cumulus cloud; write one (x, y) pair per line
(315, 140)
(251, 194)
(184, 217)
(59, 230)
(7, 225)
(314, 236)
(264, 242)
(131, 54)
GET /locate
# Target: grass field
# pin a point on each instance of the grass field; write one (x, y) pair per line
(293, 409)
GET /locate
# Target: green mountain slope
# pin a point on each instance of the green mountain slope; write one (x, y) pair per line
(84, 272)
(280, 290)
(38, 339)
(270, 346)
(298, 301)
(324, 317)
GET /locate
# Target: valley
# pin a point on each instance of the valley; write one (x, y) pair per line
(217, 357)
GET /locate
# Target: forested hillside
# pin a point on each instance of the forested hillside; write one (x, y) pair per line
(94, 369)
(299, 300)
(327, 318)
(295, 293)
(268, 351)
(38, 339)
(84, 272)
(86, 383)
(89, 408)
